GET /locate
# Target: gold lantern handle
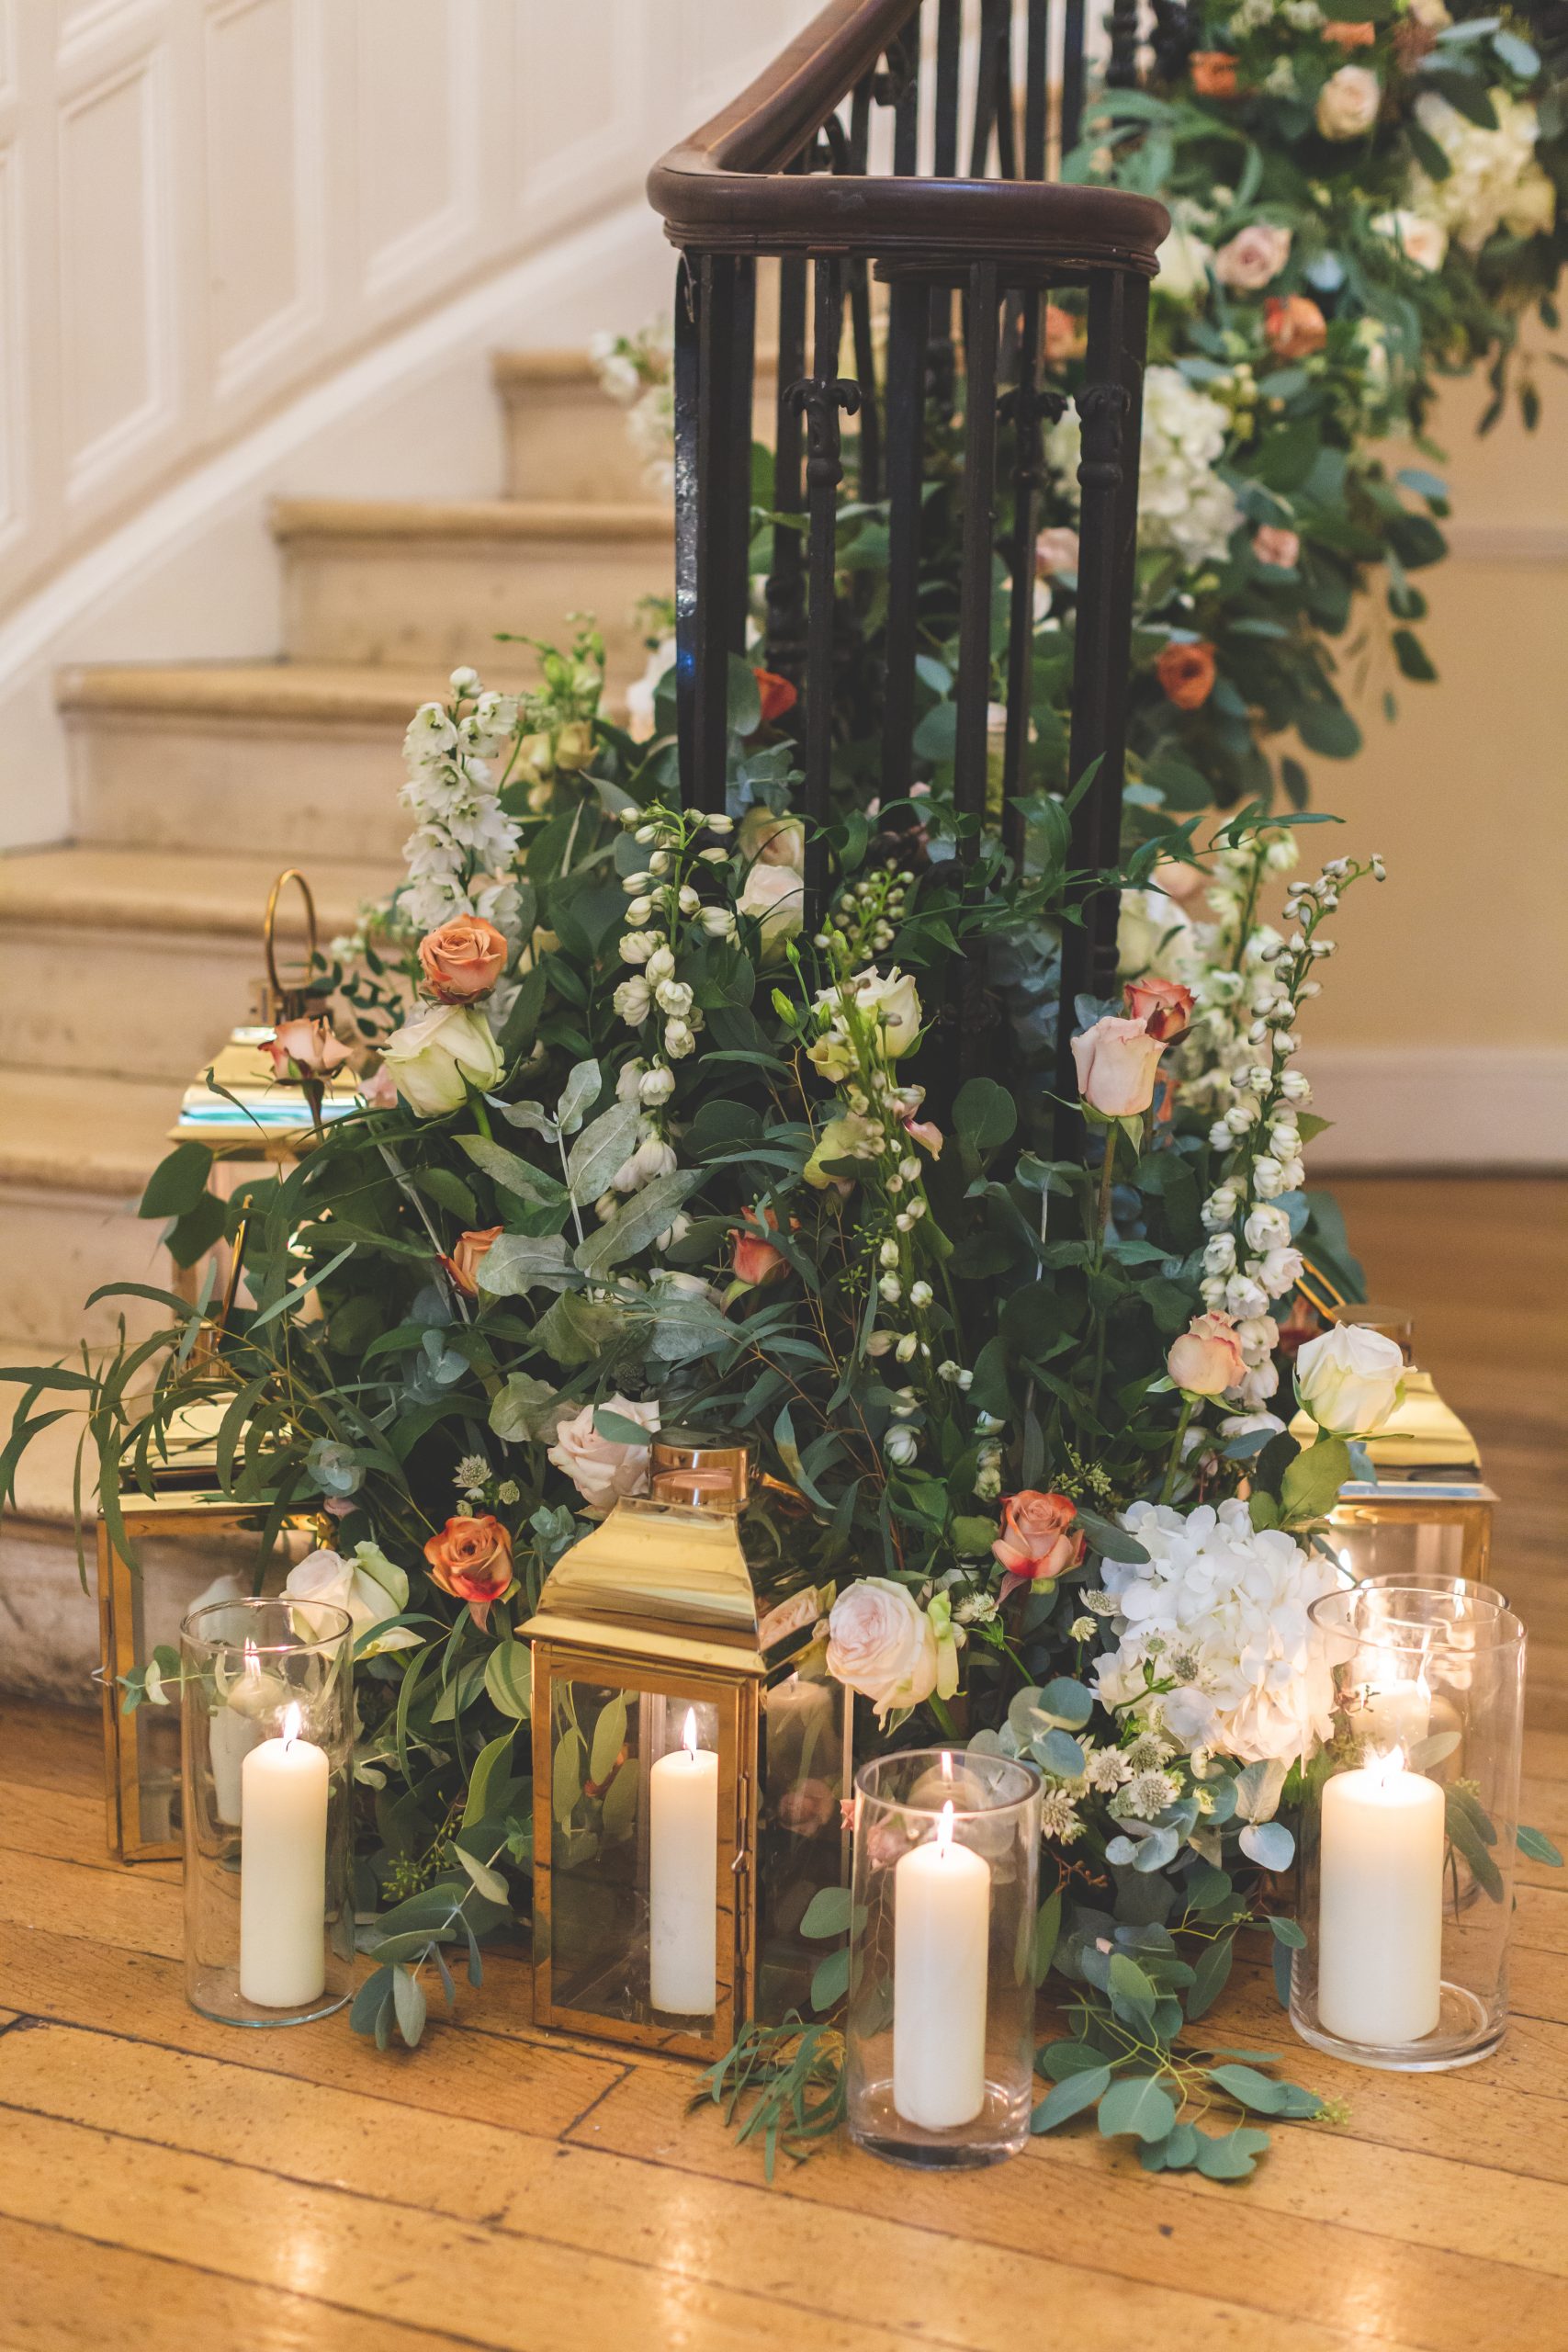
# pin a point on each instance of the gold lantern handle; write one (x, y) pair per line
(288, 1001)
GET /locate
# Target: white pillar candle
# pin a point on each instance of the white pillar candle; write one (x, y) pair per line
(1396, 1714)
(235, 1730)
(1381, 1904)
(942, 1912)
(283, 1871)
(683, 1879)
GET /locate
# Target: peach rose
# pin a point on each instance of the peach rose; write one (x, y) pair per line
(1350, 35)
(1056, 550)
(1207, 1360)
(777, 694)
(1294, 325)
(300, 1049)
(468, 1256)
(1164, 1006)
(1276, 547)
(1254, 255)
(1347, 103)
(471, 1559)
(1036, 1540)
(755, 1258)
(1117, 1061)
(1186, 674)
(1065, 335)
(463, 960)
(1213, 73)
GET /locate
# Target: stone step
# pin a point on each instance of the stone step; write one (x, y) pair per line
(49, 1617)
(378, 580)
(137, 963)
(564, 437)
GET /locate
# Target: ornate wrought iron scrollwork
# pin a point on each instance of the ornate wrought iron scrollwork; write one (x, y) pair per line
(819, 400)
(1174, 38)
(1104, 411)
(1029, 408)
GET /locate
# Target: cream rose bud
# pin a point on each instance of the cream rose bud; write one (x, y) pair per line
(776, 840)
(1253, 257)
(438, 1054)
(895, 1001)
(369, 1586)
(881, 1643)
(1183, 271)
(1423, 243)
(774, 896)
(1351, 1379)
(1348, 104)
(1117, 1061)
(603, 1469)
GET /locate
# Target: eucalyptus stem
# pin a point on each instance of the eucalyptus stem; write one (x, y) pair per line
(1174, 1464)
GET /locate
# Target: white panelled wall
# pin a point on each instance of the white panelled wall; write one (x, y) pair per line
(252, 246)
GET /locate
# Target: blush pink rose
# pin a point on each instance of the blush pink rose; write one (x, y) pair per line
(1056, 550)
(1117, 1061)
(1276, 547)
(1037, 1539)
(1207, 1358)
(305, 1049)
(1253, 257)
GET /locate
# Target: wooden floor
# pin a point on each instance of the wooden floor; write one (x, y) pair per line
(166, 2183)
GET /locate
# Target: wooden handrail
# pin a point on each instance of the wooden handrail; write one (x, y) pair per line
(727, 189)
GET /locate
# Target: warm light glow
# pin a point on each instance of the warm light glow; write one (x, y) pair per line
(1383, 1763)
(947, 1763)
(293, 1723)
(252, 1662)
(944, 1829)
(689, 1737)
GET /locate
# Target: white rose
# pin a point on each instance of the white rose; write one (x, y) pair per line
(895, 999)
(1351, 1379)
(1348, 102)
(370, 1587)
(1183, 271)
(602, 1468)
(775, 896)
(1423, 243)
(881, 1643)
(438, 1054)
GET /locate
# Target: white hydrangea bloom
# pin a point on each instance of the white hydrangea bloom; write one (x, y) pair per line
(1231, 1601)
(1182, 502)
(1493, 180)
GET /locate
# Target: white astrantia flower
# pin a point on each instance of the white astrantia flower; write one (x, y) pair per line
(1230, 1600)
(1182, 502)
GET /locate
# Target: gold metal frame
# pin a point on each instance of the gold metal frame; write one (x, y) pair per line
(146, 1515)
(730, 1682)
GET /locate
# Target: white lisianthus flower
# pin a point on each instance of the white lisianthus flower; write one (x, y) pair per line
(895, 999)
(438, 1054)
(881, 1643)
(1351, 1379)
(603, 1469)
(1231, 1601)
(370, 1587)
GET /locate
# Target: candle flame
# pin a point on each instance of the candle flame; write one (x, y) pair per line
(944, 1829)
(689, 1737)
(1383, 1763)
(293, 1723)
(947, 1763)
(252, 1662)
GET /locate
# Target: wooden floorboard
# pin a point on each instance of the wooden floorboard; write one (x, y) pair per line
(166, 2183)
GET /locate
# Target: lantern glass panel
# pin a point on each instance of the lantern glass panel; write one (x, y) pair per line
(190, 1550)
(1413, 1532)
(642, 1887)
(802, 1834)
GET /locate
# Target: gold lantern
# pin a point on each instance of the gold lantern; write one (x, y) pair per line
(691, 1757)
(1429, 1516)
(192, 1543)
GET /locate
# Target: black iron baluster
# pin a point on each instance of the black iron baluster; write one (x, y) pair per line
(785, 589)
(1122, 67)
(1110, 408)
(735, 589)
(901, 91)
(1036, 86)
(976, 560)
(1007, 125)
(1026, 407)
(819, 397)
(710, 546)
(987, 66)
(942, 373)
(905, 450)
(684, 375)
(1072, 75)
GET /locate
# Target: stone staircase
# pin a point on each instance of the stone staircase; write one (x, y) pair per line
(128, 954)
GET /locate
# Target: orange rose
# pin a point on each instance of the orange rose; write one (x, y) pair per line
(471, 1559)
(1350, 35)
(1066, 337)
(1213, 73)
(1164, 1006)
(468, 1256)
(305, 1049)
(1035, 1541)
(1186, 674)
(777, 694)
(463, 960)
(755, 1260)
(1294, 325)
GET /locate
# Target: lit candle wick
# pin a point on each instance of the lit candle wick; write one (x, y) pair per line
(947, 1763)
(944, 1829)
(293, 1723)
(689, 1737)
(1383, 1763)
